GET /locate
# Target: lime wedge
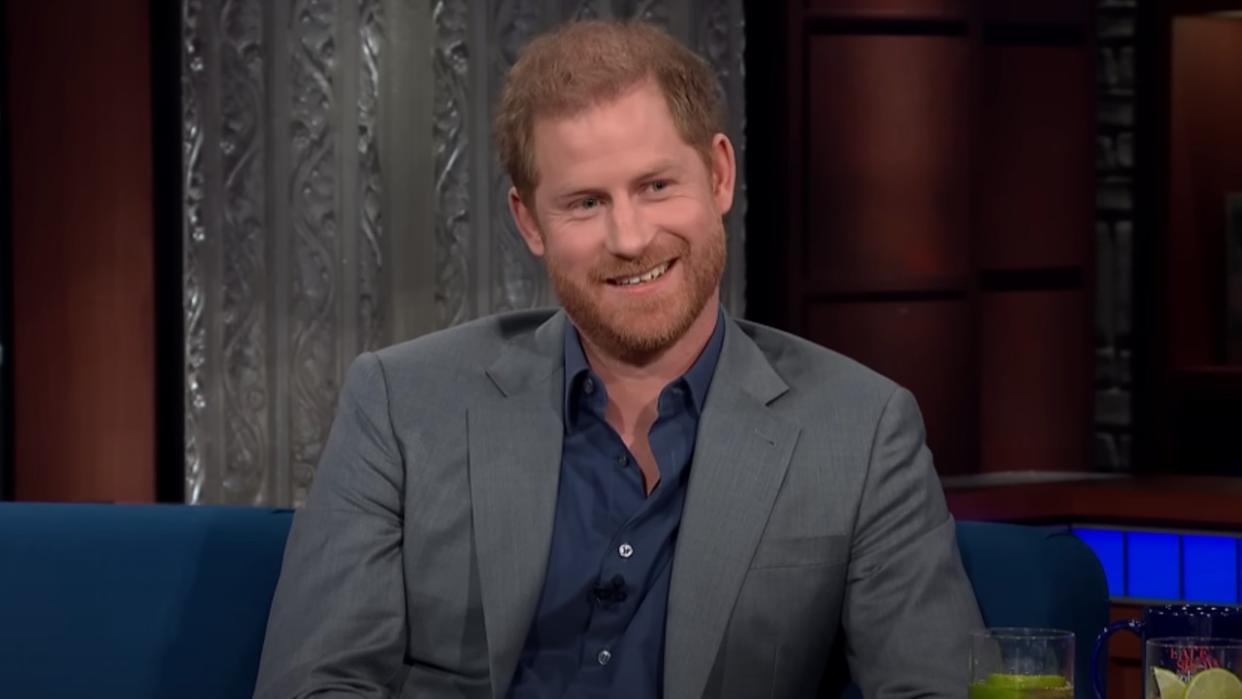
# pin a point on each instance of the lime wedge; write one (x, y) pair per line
(1026, 681)
(1214, 683)
(1003, 686)
(1169, 684)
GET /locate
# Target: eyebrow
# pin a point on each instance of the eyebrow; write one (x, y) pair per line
(661, 169)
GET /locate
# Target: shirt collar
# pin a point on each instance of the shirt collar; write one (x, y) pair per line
(698, 377)
(576, 368)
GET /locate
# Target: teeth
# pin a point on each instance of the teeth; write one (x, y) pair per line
(649, 276)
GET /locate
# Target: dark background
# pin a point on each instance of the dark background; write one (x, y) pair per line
(922, 183)
(927, 180)
(169, 320)
(6, 256)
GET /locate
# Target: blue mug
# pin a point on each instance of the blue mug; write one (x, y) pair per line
(1170, 621)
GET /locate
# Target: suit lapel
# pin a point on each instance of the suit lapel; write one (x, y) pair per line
(514, 462)
(740, 458)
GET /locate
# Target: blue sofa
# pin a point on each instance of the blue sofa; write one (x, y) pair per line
(138, 601)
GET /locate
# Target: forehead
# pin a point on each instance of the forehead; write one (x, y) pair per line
(608, 140)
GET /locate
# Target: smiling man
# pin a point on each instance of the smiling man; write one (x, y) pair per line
(636, 496)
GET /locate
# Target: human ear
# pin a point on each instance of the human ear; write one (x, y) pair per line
(723, 172)
(527, 223)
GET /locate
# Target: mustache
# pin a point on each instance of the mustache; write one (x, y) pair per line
(615, 267)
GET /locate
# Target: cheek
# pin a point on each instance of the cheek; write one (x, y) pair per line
(685, 216)
(571, 245)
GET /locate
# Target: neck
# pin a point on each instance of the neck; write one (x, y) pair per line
(634, 383)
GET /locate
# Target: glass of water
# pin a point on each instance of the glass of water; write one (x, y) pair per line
(1022, 663)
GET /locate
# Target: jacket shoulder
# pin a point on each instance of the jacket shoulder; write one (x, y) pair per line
(809, 367)
(473, 344)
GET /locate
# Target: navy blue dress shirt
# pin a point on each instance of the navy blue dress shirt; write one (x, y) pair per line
(599, 628)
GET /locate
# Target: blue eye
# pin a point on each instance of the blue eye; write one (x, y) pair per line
(588, 203)
(658, 185)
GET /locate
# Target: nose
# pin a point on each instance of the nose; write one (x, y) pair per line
(629, 233)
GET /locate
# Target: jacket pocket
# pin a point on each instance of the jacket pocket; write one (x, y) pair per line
(800, 551)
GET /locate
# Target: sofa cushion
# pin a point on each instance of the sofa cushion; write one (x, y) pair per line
(136, 600)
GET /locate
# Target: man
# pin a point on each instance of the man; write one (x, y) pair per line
(638, 496)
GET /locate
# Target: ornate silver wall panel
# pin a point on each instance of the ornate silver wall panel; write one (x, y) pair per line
(324, 140)
(371, 305)
(193, 88)
(242, 326)
(517, 279)
(451, 144)
(285, 248)
(313, 207)
(721, 38)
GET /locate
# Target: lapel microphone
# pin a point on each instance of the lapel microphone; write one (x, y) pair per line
(610, 592)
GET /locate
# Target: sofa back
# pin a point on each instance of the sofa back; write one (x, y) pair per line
(153, 601)
(135, 601)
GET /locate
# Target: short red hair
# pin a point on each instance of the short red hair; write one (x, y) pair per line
(581, 64)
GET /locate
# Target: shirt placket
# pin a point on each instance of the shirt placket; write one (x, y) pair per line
(636, 553)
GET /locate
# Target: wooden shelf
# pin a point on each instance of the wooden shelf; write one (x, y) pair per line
(1203, 503)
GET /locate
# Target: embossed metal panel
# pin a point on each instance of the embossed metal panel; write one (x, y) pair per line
(341, 193)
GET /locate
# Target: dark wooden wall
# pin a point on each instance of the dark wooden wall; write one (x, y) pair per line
(938, 198)
(82, 239)
(1197, 150)
(6, 272)
(1206, 164)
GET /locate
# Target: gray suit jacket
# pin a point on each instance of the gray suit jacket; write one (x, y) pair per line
(814, 528)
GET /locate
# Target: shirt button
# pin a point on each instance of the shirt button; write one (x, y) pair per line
(589, 386)
(625, 550)
(603, 657)
(623, 460)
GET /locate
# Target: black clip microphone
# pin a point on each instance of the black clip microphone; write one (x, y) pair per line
(610, 592)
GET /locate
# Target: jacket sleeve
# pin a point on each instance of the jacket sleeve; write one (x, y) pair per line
(909, 607)
(337, 626)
